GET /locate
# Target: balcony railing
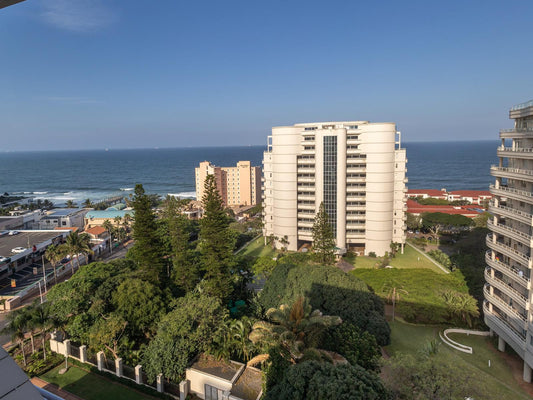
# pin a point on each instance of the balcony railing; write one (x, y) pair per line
(515, 173)
(507, 269)
(511, 213)
(508, 251)
(501, 304)
(510, 232)
(512, 193)
(520, 152)
(504, 326)
(506, 288)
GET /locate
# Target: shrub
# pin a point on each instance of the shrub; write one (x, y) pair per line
(441, 258)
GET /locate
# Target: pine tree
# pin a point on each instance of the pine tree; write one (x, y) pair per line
(323, 237)
(147, 249)
(217, 243)
(184, 271)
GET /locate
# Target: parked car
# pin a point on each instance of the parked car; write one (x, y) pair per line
(18, 250)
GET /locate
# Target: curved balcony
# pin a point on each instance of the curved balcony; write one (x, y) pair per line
(307, 207)
(502, 305)
(305, 224)
(520, 195)
(500, 325)
(512, 173)
(352, 151)
(510, 233)
(505, 288)
(350, 179)
(517, 152)
(355, 198)
(306, 161)
(512, 213)
(507, 270)
(508, 251)
(306, 197)
(355, 208)
(355, 226)
(516, 133)
(354, 190)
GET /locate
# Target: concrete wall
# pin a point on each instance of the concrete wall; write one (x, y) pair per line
(197, 380)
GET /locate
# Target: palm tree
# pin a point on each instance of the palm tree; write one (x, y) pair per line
(295, 328)
(117, 220)
(88, 203)
(393, 292)
(43, 321)
(108, 226)
(461, 306)
(54, 254)
(76, 244)
(70, 204)
(127, 221)
(17, 322)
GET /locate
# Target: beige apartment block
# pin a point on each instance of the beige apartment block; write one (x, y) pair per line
(356, 168)
(239, 185)
(508, 294)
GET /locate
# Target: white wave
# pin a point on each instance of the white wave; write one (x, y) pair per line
(184, 195)
(37, 192)
(126, 189)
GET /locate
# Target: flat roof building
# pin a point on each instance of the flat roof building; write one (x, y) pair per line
(239, 185)
(63, 218)
(508, 293)
(356, 168)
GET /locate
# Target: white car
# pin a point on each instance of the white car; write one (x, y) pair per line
(13, 233)
(17, 250)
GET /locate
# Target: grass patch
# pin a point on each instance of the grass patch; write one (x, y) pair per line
(257, 248)
(496, 382)
(90, 386)
(410, 259)
(420, 290)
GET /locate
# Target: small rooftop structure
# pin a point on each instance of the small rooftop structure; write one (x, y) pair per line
(62, 212)
(108, 214)
(14, 383)
(211, 378)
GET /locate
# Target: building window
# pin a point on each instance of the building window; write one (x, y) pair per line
(330, 180)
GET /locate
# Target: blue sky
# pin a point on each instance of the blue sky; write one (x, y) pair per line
(167, 73)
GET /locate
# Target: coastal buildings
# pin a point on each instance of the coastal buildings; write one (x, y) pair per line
(356, 168)
(472, 196)
(508, 293)
(239, 185)
(63, 218)
(116, 217)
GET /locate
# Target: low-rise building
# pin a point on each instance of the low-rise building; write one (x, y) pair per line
(468, 211)
(63, 218)
(478, 197)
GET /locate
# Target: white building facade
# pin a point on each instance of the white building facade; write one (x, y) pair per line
(356, 168)
(508, 295)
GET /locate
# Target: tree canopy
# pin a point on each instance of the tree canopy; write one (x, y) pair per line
(183, 333)
(330, 290)
(312, 380)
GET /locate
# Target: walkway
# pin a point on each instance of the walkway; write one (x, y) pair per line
(445, 270)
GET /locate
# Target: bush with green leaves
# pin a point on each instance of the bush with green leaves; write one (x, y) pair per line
(358, 347)
(330, 290)
(312, 380)
(441, 258)
(186, 331)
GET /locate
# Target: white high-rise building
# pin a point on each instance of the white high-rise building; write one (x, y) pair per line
(356, 168)
(508, 294)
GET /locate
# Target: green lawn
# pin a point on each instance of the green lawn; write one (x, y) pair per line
(496, 382)
(90, 386)
(257, 248)
(409, 259)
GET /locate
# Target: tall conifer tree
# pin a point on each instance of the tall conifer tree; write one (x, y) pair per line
(147, 251)
(323, 237)
(184, 271)
(217, 242)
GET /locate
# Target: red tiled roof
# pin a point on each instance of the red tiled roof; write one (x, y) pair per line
(470, 193)
(414, 208)
(96, 230)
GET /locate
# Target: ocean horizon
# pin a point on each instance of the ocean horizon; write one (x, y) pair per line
(61, 175)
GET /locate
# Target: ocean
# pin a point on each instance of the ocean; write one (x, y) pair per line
(97, 174)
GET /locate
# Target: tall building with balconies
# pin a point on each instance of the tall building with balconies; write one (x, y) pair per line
(356, 168)
(507, 305)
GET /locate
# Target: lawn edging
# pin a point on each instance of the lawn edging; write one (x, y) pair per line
(458, 346)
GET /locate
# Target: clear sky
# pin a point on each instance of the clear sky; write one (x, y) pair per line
(80, 74)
